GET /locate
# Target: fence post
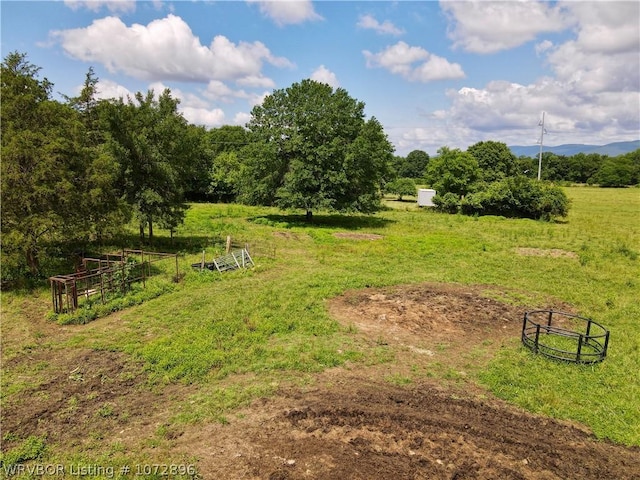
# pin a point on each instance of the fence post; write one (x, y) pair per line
(537, 337)
(177, 270)
(579, 348)
(606, 344)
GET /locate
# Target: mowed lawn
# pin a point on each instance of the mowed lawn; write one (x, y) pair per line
(271, 324)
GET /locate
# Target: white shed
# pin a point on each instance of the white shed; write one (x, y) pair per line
(425, 197)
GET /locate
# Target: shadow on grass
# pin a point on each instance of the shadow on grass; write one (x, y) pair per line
(163, 243)
(347, 222)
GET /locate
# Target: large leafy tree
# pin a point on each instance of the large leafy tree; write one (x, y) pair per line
(312, 149)
(495, 160)
(615, 172)
(104, 209)
(51, 173)
(411, 166)
(453, 171)
(415, 164)
(156, 149)
(581, 166)
(223, 149)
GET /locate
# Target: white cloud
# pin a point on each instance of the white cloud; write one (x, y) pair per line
(605, 56)
(107, 89)
(220, 92)
(510, 112)
(607, 27)
(114, 6)
(369, 22)
(592, 95)
(256, 81)
(187, 99)
(241, 118)
(488, 27)
(436, 68)
(165, 49)
(324, 75)
(543, 47)
(401, 57)
(285, 12)
(202, 116)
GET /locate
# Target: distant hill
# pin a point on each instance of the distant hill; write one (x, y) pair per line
(611, 149)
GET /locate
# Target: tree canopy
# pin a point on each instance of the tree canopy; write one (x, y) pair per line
(495, 160)
(452, 171)
(312, 149)
(53, 172)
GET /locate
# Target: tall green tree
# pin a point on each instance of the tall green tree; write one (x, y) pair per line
(47, 166)
(581, 167)
(312, 149)
(224, 145)
(415, 164)
(411, 166)
(614, 172)
(155, 148)
(495, 160)
(104, 210)
(453, 171)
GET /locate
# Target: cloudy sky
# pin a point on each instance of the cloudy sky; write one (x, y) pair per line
(434, 73)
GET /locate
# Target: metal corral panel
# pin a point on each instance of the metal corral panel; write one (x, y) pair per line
(425, 197)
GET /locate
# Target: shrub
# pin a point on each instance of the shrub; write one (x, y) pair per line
(518, 197)
(449, 202)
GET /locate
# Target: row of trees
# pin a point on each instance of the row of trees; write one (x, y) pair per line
(80, 169)
(486, 179)
(591, 168)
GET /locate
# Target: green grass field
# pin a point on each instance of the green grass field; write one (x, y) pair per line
(237, 336)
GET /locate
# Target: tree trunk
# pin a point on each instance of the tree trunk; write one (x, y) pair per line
(32, 260)
(142, 232)
(309, 216)
(150, 231)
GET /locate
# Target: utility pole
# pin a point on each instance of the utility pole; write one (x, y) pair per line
(542, 132)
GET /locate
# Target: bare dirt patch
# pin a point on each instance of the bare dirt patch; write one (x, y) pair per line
(352, 424)
(291, 235)
(351, 427)
(358, 236)
(82, 396)
(551, 252)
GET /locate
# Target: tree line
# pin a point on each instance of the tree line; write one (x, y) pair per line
(79, 170)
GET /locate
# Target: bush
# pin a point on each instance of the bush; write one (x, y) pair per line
(448, 203)
(518, 197)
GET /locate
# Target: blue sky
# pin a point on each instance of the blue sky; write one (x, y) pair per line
(434, 73)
